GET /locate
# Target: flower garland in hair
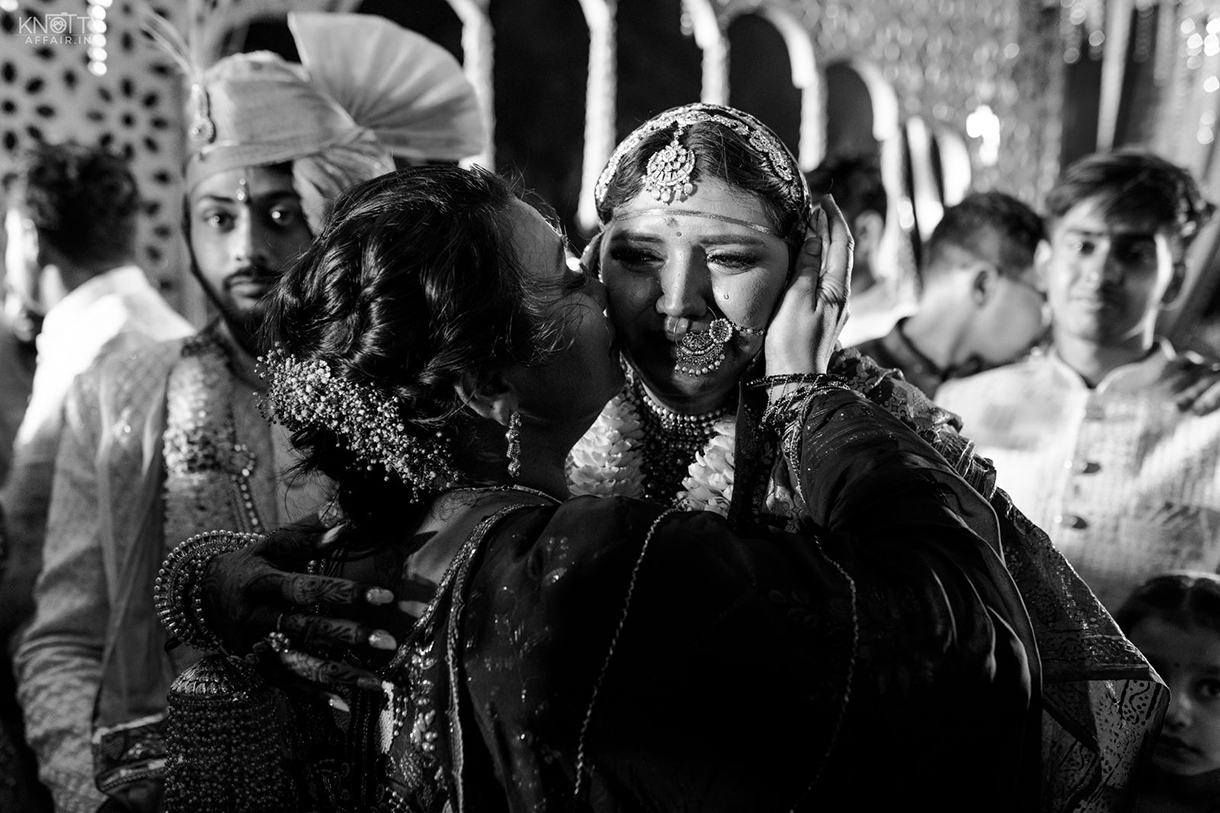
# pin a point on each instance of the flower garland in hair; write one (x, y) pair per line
(304, 393)
(609, 461)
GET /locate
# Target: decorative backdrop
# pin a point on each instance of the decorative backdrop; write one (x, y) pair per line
(51, 90)
(83, 70)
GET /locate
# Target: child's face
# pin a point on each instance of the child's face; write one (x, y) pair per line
(1188, 659)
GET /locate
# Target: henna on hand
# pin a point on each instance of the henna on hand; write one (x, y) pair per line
(313, 630)
(327, 673)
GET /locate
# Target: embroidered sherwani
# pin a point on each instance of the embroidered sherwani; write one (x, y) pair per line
(1125, 483)
(149, 449)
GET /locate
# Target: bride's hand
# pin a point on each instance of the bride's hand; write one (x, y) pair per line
(806, 327)
(255, 591)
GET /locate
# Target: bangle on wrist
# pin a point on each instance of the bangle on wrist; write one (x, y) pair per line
(178, 591)
(791, 405)
(791, 378)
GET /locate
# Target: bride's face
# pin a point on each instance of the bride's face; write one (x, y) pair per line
(577, 381)
(673, 269)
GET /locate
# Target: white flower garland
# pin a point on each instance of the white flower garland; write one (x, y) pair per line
(608, 461)
(708, 485)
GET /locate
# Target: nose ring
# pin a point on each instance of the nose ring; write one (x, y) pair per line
(703, 353)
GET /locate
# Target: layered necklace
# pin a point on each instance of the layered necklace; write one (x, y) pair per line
(671, 442)
(640, 448)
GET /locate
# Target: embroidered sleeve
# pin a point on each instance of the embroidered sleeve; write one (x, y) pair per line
(861, 471)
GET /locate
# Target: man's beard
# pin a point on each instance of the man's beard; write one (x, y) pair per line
(244, 327)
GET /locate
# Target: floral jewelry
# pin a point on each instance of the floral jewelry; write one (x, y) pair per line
(307, 393)
(702, 353)
(608, 460)
(623, 453)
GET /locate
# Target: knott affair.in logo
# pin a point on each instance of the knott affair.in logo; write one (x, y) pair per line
(57, 29)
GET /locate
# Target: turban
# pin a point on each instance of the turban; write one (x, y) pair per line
(366, 90)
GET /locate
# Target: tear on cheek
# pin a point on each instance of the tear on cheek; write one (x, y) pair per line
(750, 302)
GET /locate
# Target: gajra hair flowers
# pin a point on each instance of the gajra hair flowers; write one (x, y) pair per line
(306, 393)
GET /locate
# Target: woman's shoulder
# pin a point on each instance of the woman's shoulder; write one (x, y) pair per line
(596, 557)
(585, 532)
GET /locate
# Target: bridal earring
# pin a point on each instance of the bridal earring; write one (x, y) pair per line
(513, 436)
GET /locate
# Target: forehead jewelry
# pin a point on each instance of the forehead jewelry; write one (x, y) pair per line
(672, 214)
(668, 174)
(762, 141)
(703, 353)
(243, 190)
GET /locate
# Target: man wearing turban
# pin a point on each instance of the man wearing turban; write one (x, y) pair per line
(167, 439)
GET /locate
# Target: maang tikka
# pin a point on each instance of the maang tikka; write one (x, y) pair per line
(668, 173)
(703, 353)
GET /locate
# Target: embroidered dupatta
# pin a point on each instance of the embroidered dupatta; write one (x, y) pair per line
(1102, 702)
(612, 655)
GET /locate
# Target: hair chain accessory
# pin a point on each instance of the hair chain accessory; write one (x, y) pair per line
(513, 436)
(305, 393)
(703, 353)
(668, 174)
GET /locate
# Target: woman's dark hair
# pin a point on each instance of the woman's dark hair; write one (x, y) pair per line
(720, 153)
(1183, 598)
(411, 284)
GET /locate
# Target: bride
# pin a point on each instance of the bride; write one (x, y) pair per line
(436, 357)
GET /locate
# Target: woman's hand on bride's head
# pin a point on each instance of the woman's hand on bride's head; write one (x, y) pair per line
(805, 329)
(261, 589)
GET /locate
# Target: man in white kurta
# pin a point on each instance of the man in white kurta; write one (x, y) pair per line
(1088, 438)
(117, 307)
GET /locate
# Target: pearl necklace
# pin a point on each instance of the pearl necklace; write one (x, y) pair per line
(676, 423)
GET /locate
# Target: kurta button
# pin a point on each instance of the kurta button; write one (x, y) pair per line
(1094, 412)
(1083, 466)
(1072, 521)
